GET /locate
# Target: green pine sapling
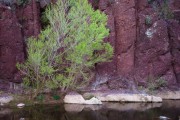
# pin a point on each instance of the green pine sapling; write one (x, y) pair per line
(68, 48)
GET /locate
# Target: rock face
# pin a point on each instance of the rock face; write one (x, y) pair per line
(146, 47)
(144, 51)
(154, 58)
(175, 51)
(16, 24)
(154, 46)
(11, 44)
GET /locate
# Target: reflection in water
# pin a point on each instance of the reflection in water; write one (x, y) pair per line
(107, 111)
(112, 106)
(79, 108)
(132, 106)
(5, 111)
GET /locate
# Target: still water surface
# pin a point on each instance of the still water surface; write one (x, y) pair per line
(107, 111)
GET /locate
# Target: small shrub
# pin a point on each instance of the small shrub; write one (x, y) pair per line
(56, 97)
(6, 2)
(96, 1)
(22, 2)
(165, 11)
(161, 82)
(40, 97)
(11, 2)
(162, 8)
(141, 88)
(111, 1)
(148, 20)
(156, 84)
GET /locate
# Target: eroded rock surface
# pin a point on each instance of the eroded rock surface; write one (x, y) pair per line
(16, 24)
(11, 44)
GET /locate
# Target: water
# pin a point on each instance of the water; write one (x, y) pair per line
(107, 111)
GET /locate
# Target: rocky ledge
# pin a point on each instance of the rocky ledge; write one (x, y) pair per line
(97, 97)
(117, 96)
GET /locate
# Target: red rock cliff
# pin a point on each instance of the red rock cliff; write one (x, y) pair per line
(142, 51)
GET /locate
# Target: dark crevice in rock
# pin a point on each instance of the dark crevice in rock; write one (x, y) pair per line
(128, 48)
(115, 37)
(164, 53)
(137, 10)
(133, 7)
(137, 26)
(21, 21)
(24, 43)
(171, 50)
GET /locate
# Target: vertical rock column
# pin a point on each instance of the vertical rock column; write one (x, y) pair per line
(122, 25)
(125, 26)
(174, 34)
(29, 17)
(105, 71)
(15, 26)
(11, 44)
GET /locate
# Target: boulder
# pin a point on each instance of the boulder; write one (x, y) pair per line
(20, 105)
(4, 99)
(78, 99)
(93, 100)
(74, 98)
